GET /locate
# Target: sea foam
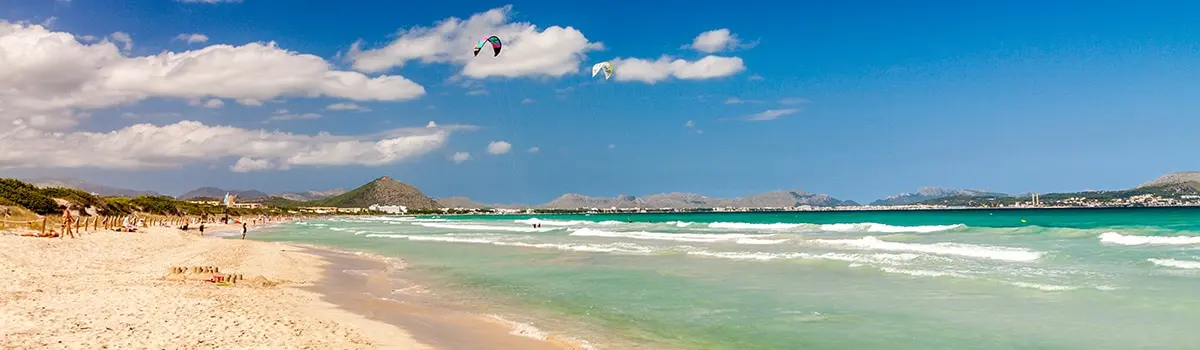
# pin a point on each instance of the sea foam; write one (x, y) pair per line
(959, 249)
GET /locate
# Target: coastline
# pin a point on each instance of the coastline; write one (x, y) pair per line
(115, 289)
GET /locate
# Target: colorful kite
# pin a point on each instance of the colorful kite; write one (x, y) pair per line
(495, 45)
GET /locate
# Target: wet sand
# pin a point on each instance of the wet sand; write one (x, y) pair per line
(366, 286)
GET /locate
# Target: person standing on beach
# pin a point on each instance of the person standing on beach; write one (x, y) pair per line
(243, 230)
(66, 216)
(201, 228)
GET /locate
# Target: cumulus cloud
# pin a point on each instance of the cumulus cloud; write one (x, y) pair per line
(718, 40)
(192, 38)
(345, 106)
(123, 38)
(771, 114)
(49, 76)
(249, 102)
(187, 142)
(528, 51)
(534, 149)
(498, 147)
(245, 165)
(460, 157)
(214, 103)
(665, 67)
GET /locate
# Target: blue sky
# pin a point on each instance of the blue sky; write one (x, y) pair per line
(883, 97)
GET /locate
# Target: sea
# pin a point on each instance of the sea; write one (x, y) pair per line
(953, 279)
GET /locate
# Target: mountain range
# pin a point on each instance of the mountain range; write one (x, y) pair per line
(213, 192)
(386, 191)
(929, 193)
(106, 191)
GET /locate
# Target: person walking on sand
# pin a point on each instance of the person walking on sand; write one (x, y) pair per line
(243, 230)
(202, 229)
(66, 216)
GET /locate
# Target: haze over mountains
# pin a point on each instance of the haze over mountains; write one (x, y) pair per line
(929, 193)
(386, 191)
(102, 190)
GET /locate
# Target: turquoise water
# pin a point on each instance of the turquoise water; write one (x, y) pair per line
(1062, 279)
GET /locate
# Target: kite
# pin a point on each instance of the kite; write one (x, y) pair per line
(495, 45)
(603, 66)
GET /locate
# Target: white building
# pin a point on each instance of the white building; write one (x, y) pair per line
(390, 209)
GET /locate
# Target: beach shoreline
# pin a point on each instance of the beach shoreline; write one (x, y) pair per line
(117, 289)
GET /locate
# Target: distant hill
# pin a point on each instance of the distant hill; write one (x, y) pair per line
(310, 195)
(692, 200)
(464, 202)
(931, 193)
(102, 190)
(1173, 185)
(382, 191)
(213, 192)
(1189, 178)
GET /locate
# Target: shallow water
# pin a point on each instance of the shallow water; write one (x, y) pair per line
(1062, 279)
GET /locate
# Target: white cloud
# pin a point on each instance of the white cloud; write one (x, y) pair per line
(249, 102)
(792, 101)
(527, 50)
(611, 146)
(345, 106)
(477, 92)
(769, 114)
(498, 147)
(460, 157)
(284, 114)
(431, 124)
(214, 103)
(143, 146)
(534, 149)
(650, 72)
(689, 124)
(125, 40)
(718, 40)
(245, 165)
(527, 101)
(50, 76)
(192, 38)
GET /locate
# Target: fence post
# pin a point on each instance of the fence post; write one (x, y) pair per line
(44, 219)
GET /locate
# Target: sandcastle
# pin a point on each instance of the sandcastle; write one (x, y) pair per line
(191, 272)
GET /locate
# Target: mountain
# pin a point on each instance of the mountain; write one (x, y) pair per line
(1188, 178)
(464, 202)
(930, 193)
(310, 195)
(103, 191)
(213, 192)
(382, 191)
(691, 200)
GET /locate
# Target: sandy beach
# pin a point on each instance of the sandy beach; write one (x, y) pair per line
(111, 289)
